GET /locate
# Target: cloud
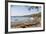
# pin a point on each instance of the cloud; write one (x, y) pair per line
(23, 10)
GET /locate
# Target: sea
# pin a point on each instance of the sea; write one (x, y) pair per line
(20, 18)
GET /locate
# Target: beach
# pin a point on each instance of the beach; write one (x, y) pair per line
(27, 22)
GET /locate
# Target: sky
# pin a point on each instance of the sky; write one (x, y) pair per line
(18, 10)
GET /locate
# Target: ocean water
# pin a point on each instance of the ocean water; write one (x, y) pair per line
(20, 18)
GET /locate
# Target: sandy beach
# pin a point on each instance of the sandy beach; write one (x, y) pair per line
(36, 22)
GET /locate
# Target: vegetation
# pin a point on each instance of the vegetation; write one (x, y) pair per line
(36, 15)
